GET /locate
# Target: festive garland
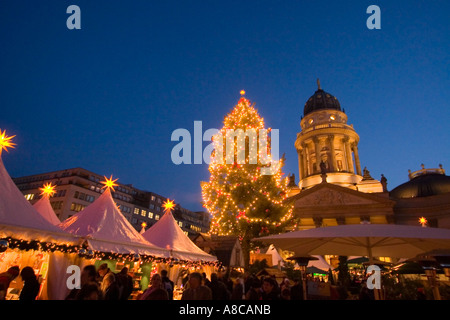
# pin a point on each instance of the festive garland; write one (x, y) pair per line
(87, 253)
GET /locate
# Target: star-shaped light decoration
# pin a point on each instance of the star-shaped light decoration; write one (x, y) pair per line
(5, 141)
(423, 221)
(109, 183)
(48, 190)
(169, 205)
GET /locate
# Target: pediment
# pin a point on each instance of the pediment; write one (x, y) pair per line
(332, 195)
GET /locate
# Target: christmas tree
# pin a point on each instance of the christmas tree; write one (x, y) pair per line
(245, 191)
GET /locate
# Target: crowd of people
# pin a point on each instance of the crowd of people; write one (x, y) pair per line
(31, 285)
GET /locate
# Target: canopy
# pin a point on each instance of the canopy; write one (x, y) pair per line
(18, 218)
(379, 240)
(107, 230)
(44, 207)
(167, 233)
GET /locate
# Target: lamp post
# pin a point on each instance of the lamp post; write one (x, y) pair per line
(302, 262)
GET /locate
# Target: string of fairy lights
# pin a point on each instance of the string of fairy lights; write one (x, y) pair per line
(83, 250)
(236, 191)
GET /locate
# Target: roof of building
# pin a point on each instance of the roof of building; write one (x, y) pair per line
(321, 100)
(422, 186)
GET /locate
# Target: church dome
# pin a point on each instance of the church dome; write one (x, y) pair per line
(321, 100)
(423, 186)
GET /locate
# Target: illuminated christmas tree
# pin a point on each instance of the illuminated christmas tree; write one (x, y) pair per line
(245, 191)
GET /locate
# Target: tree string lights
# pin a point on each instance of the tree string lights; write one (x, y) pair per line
(243, 201)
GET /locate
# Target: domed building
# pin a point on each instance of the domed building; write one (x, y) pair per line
(333, 190)
(425, 196)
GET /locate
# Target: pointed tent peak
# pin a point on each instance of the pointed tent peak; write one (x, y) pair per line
(5, 141)
(109, 183)
(166, 233)
(143, 225)
(45, 209)
(48, 190)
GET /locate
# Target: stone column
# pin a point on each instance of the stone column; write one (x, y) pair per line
(300, 164)
(357, 163)
(306, 160)
(317, 150)
(333, 153)
(348, 155)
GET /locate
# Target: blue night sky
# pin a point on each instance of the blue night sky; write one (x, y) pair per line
(107, 97)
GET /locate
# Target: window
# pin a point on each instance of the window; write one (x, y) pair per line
(152, 206)
(76, 207)
(143, 213)
(134, 221)
(153, 198)
(157, 217)
(158, 209)
(29, 196)
(56, 205)
(76, 195)
(159, 200)
(150, 215)
(136, 210)
(180, 224)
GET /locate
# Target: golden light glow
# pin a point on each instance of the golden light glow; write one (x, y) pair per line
(423, 221)
(168, 205)
(48, 190)
(242, 92)
(143, 224)
(109, 183)
(5, 141)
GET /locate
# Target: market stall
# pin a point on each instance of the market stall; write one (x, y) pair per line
(26, 237)
(110, 238)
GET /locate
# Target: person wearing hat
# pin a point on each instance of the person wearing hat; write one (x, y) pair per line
(6, 278)
(108, 285)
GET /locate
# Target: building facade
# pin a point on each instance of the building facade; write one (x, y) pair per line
(77, 188)
(333, 190)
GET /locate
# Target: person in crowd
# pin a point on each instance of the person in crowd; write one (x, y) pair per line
(155, 284)
(125, 283)
(269, 290)
(108, 285)
(31, 286)
(88, 276)
(167, 284)
(90, 291)
(421, 294)
(297, 290)
(158, 294)
(218, 289)
(5, 280)
(238, 289)
(196, 290)
(254, 292)
(285, 293)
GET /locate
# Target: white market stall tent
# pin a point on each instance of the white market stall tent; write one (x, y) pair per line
(28, 239)
(105, 229)
(44, 207)
(168, 234)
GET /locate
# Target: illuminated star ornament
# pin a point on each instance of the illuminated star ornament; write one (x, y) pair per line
(48, 190)
(168, 205)
(109, 183)
(5, 141)
(423, 221)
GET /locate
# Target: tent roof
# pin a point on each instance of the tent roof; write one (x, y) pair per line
(107, 230)
(44, 207)
(166, 233)
(20, 220)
